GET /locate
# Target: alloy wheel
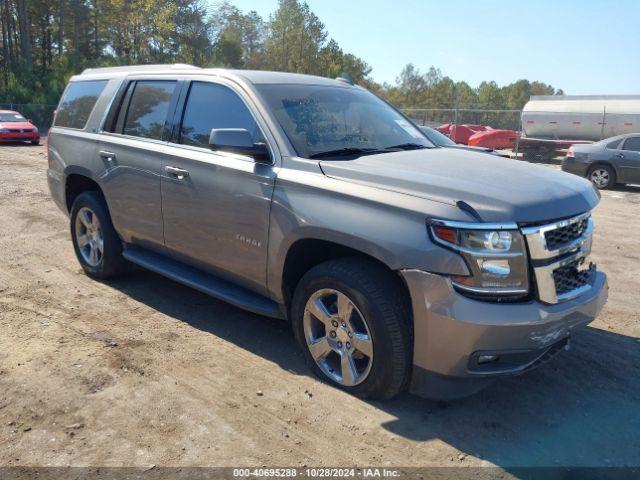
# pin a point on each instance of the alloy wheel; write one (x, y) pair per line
(89, 236)
(600, 177)
(338, 337)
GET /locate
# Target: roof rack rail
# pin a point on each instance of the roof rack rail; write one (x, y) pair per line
(140, 68)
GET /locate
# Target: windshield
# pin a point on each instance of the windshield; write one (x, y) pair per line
(437, 138)
(321, 119)
(11, 117)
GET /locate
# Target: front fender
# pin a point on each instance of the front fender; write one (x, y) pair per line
(387, 226)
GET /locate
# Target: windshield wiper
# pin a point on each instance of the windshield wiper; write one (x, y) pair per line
(345, 152)
(407, 146)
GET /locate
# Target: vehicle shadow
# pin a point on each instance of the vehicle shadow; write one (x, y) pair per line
(582, 409)
(627, 188)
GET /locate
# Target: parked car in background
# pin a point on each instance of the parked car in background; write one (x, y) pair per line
(607, 162)
(442, 140)
(15, 128)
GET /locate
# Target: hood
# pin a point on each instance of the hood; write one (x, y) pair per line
(499, 189)
(472, 148)
(17, 125)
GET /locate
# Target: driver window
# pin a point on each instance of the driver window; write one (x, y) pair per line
(209, 106)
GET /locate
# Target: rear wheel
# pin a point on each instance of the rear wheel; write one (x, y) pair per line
(352, 321)
(95, 241)
(602, 176)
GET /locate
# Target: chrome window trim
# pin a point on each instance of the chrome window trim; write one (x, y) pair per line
(437, 222)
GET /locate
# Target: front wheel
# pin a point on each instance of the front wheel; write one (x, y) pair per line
(602, 176)
(351, 318)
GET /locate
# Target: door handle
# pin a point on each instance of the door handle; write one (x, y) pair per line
(107, 156)
(179, 173)
(619, 155)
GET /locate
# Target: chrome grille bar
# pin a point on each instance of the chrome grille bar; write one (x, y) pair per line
(542, 257)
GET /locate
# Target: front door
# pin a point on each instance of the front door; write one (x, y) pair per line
(216, 205)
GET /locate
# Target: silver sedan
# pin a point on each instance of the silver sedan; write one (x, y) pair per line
(607, 162)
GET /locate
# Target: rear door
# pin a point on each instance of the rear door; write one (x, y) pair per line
(628, 160)
(131, 150)
(216, 212)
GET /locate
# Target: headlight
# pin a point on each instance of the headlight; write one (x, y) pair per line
(495, 255)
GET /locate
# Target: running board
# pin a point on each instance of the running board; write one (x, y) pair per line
(203, 281)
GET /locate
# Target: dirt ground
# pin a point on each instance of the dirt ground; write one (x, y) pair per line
(143, 371)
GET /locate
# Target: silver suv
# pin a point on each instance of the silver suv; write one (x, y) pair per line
(399, 264)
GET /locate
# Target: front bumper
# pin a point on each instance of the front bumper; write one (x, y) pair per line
(451, 331)
(19, 137)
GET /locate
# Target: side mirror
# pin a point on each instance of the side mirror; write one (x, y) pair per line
(238, 140)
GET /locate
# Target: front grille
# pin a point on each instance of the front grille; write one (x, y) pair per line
(563, 235)
(569, 277)
(20, 130)
(558, 250)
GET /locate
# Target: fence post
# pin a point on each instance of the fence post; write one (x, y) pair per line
(455, 116)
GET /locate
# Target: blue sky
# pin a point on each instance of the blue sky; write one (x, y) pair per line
(584, 47)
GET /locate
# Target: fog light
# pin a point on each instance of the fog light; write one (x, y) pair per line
(487, 358)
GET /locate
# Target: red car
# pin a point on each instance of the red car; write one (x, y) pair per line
(15, 128)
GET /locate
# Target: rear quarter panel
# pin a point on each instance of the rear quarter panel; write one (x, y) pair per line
(74, 150)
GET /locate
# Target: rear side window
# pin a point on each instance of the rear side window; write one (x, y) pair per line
(632, 144)
(614, 145)
(77, 103)
(214, 106)
(148, 105)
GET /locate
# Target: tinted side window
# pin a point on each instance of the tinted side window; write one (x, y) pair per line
(632, 144)
(214, 106)
(77, 103)
(614, 145)
(148, 108)
(122, 109)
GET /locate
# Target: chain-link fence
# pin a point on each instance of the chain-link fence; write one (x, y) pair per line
(40, 114)
(434, 117)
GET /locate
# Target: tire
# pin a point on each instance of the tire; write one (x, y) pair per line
(35, 142)
(106, 263)
(381, 312)
(602, 176)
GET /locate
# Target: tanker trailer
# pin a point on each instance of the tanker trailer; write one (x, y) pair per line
(552, 123)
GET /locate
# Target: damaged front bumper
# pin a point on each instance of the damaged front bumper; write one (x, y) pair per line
(462, 344)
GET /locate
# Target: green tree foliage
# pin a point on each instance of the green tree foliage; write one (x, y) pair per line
(44, 42)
